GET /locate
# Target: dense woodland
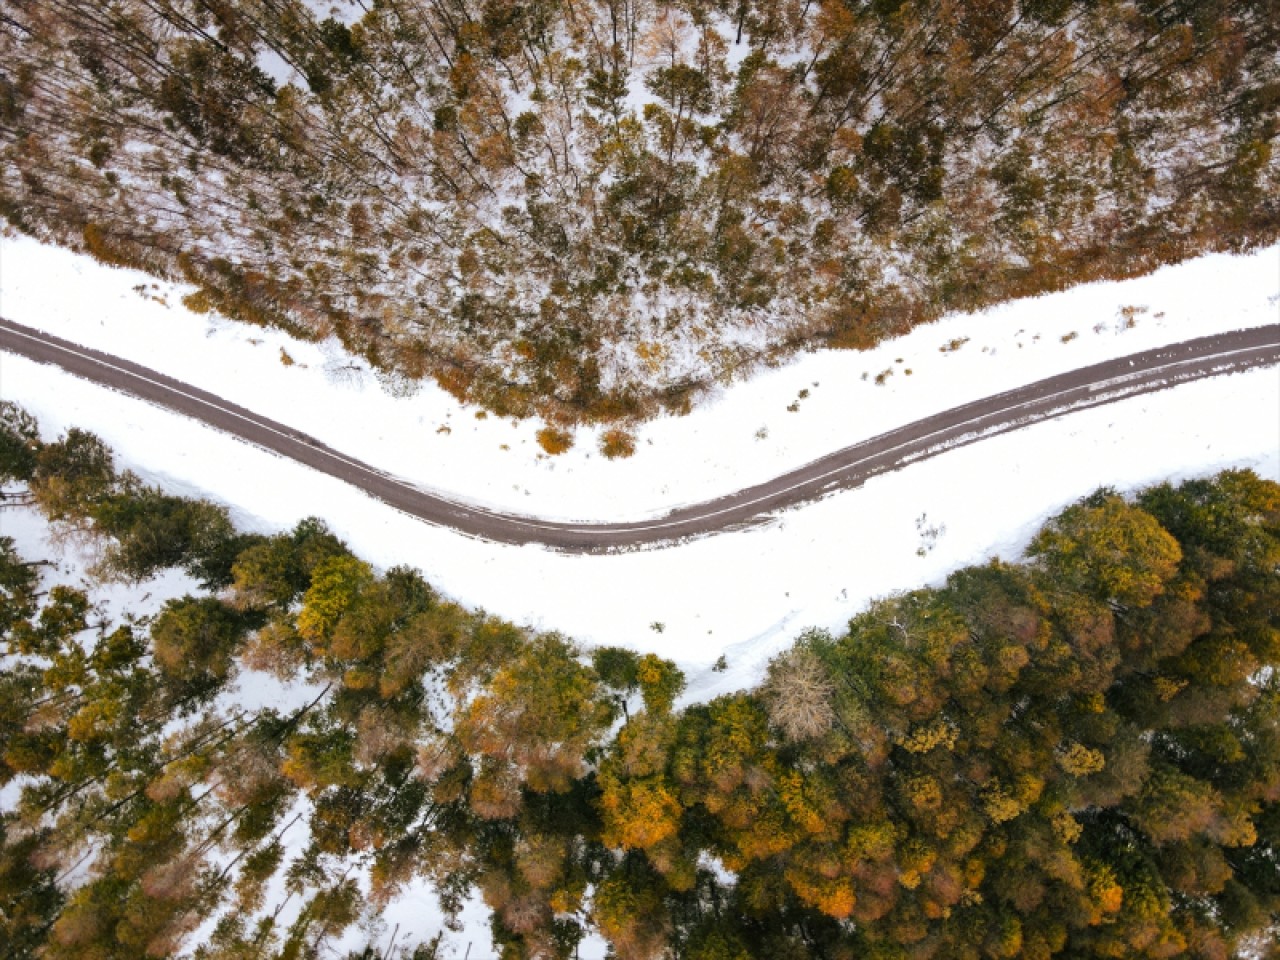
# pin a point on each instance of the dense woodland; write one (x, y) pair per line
(1076, 755)
(595, 209)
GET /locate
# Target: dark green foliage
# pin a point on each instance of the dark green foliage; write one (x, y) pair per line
(194, 640)
(19, 444)
(618, 670)
(72, 476)
(210, 94)
(18, 582)
(60, 618)
(153, 530)
(74, 481)
(30, 898)
(272, 573)
(212, 559)
(1223, 519)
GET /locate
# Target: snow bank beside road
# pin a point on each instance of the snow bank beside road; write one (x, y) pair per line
(745, 435)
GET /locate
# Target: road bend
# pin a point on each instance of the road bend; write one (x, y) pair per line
(844, 469)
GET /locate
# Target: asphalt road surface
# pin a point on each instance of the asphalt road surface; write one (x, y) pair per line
(1087, 387)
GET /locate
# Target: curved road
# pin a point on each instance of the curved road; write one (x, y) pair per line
(850, 467)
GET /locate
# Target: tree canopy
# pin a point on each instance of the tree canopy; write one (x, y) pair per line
(595, 211)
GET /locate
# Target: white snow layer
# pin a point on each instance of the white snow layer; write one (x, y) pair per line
(744, 595)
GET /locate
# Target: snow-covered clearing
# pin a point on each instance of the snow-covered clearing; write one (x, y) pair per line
(743, 595)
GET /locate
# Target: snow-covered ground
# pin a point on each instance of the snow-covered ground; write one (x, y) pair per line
(744, 595)
(744, 435)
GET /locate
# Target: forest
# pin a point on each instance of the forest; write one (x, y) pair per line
(597, 210)
(1073, 755)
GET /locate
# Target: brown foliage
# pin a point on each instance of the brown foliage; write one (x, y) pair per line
(554, 440)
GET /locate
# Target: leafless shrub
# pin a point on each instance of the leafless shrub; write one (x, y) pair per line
(797, 693)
